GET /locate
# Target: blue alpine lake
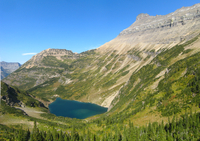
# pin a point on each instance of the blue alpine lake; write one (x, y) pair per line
(75, 109)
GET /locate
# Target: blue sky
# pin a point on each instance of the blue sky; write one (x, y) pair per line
(30, 26)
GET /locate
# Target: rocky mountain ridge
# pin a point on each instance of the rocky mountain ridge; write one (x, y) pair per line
(179, 17)
(8, 67)
(60, 54)
(157, 32)
(15, 97)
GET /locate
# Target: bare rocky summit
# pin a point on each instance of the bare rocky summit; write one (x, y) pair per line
(180, 17)
(60, 54)
(142, 16)
(160, 31)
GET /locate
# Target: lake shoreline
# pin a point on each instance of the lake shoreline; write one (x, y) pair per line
(73, 100)
(75, 109)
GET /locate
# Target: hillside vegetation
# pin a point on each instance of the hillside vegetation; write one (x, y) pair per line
(141, 111)
(148, 77)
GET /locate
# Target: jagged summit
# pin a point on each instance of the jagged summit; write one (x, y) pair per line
(157, 32)
(142, 16)
(180, 17)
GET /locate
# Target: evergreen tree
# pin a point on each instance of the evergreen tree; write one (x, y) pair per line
(44, 134)
(35, 132)
(55, 134)
(66, 138)
(88, 135)
(31, 138)
(94, 137)
(39, 136)
(49, 136)
(27, 135)
(20, 135)
(61, 138)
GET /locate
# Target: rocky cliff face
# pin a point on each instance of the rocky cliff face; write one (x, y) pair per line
(59, 54)
(160, 31)
(15, 97)
(42, 67)
(3, 73)
(177, 19)
(8, 67)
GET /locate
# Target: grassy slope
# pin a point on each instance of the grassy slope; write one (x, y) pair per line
(14, 116)
(100, 72)
(177, 88)
(140, 101)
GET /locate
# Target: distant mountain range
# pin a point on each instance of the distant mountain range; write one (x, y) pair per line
(8, 67)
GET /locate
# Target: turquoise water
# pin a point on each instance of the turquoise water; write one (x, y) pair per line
(75, 109)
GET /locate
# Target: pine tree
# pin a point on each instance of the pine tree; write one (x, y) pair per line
(39, 136)
(88, 135)
(20, 135)
(49, 136)
(35, 132)
(173, 124)
(27, 135)
(110, 136)
(55, 134)
(162, 134)
(31, 138)
(169, 137)
(61, 138)
(73, 133)
(66, 138)
(124, 137)
(187, 121)
(84, 135)
(94, 137)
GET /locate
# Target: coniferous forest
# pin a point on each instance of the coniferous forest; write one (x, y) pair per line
(185, 128)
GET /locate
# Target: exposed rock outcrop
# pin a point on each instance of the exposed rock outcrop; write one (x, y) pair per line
(8, 67)
(60, 54)
(14, 97)
(160, 31)
(179, 18)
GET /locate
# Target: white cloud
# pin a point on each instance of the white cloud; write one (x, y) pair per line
(29, 53)
(93, 47)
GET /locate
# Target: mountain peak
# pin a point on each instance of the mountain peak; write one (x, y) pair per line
(8, 67)
(142, 16)
(157, 32)
(48, 49)
(53, 51)
(59, 54)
